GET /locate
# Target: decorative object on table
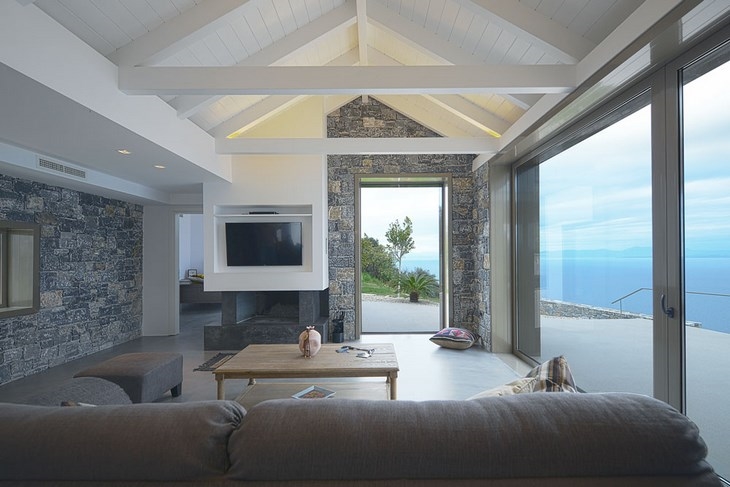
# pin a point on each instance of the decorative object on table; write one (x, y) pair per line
(364, 352)
(457, 338)
(310, 341)
(314, 392)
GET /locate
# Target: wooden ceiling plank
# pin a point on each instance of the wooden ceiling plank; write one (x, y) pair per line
(179, 32)
(524, 22)
(278, 52)
(425, 42)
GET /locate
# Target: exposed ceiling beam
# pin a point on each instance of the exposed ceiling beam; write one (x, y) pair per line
(261, 111)
(340, 18)
(466, 110)
(178, 33)
(413, 145)
(523, 21)
(424, 41)
(271, 106)
(362, 31)
(327, 80)
(644, 23)
(647, 17)
(362, 36)
(454, 104)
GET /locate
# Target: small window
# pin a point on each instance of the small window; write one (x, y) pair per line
(19, 268)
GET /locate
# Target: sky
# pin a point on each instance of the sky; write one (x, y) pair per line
(597, 194)
(382, 206)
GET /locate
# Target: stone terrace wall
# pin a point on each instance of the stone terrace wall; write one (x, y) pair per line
(90, 277)
(376, 120)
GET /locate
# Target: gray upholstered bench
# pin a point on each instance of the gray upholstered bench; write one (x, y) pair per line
(144, 376)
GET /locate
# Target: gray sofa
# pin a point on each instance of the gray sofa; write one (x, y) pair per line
(539, 439)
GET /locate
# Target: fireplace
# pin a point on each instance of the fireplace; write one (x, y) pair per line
(267, 317)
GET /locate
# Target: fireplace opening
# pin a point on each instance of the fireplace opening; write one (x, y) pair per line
(277, 304)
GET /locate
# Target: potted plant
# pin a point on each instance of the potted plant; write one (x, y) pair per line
(419, 283)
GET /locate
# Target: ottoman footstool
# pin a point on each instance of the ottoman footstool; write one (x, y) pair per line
(144, 376)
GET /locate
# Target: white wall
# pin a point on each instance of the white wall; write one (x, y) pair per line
(269, 181)
(190, 244)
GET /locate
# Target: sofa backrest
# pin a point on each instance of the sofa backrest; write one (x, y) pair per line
(157, 442)
(537, 435)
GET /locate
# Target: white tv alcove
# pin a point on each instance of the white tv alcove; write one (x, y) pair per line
(269, 189)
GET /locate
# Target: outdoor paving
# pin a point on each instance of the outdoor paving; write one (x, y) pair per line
(398, 315)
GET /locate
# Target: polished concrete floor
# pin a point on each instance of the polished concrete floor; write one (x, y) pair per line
(426, 370)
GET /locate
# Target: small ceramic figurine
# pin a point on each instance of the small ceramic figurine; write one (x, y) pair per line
(310, 341)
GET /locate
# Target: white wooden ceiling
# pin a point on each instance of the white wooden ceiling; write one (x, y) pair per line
(257, 33)
(187, 83)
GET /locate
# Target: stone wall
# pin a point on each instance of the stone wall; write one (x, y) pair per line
(376, 120)
(90, 277)
(481, 256)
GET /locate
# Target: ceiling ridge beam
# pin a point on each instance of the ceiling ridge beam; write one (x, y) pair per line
(364, 145)
(523, 21)
(177, 33)
(327, 80)
(278, 52)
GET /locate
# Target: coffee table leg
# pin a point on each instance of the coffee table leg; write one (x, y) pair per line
(221, 387)
(393, 386)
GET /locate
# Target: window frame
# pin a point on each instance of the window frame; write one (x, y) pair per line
(6, 228)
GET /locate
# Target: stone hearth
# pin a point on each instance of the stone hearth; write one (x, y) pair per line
(267, 317)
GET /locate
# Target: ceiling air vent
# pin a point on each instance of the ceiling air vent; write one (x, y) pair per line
(59, 168)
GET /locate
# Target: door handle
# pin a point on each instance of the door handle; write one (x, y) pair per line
(667, 311)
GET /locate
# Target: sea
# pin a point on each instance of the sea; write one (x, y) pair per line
(625, 284)
(430, 265)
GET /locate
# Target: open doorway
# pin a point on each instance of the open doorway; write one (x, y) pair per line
(402, 268)
(195, 304)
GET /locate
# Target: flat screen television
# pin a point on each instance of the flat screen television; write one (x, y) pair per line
(263, 244)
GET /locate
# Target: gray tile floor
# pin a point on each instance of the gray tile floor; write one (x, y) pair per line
(426, 370)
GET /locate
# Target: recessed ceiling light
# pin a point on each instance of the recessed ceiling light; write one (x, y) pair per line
(159, 166)
(124, 152)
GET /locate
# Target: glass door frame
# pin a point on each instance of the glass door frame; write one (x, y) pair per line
(409, 180)
(672, 388)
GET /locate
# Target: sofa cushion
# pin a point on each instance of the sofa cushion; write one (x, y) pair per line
(518, 386)
(523, 435)
(553, 375)
(125, 443)
(458, 338)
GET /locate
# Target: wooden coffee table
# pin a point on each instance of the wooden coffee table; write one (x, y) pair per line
(285, 361)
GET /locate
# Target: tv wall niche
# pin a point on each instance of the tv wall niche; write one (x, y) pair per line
(255, 239)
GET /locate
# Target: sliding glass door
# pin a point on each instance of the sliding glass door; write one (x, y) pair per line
(622, 244)
(706, 190)
(584, 253)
